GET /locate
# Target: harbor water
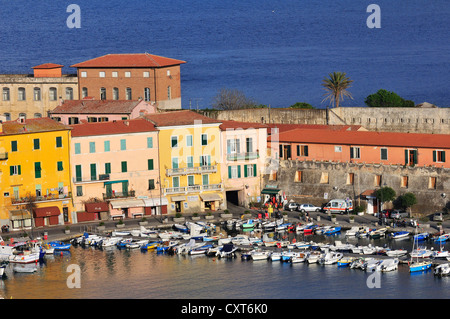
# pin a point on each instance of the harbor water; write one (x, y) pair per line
(132, 274)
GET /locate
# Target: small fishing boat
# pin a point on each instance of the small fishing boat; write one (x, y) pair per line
(313, 257)
(377, 233)
(442, 270)
(286, 256)
(28, 269)
(227, 251)
(396, 252)
(150, 245)
(353, 231)
(200, 250)
(2, 269)
(442, 238)
(259, 255)
(358, 263)
(59, 245)
(386, 265)
(422, 265)
(371, 264)
(345, 261)
(136, 244)
(181, 228)
(248, 225)
(332, 230)
(421, 236)
(275, 256)
(400, 234)
(330, 258)
(299, 258)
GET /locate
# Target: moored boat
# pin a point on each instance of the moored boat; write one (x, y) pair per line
(400, 234)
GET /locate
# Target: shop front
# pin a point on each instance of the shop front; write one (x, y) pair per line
(20, 219)
(155, 206)
(46, 216)
(126, 208)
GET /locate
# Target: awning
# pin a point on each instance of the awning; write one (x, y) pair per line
(270, 191)
(19, 214)
(210, 197)
(96, 207)
(127, 203)
(151, 202)
(178, 198)
(115, 182)
(46, 211)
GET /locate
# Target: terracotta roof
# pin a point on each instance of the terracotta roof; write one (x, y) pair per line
(133, 60)
(174, 118)
(47, 66)
(35, 125)
(230, 124)
(326, 136)
(288, 127)
(96, 107)
(114, 127)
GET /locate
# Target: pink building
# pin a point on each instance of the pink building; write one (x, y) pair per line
(76, 111)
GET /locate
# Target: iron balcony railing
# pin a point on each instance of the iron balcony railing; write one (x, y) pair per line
(193, 189)
(191, 170)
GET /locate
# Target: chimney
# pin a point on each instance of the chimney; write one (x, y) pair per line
(126, 123)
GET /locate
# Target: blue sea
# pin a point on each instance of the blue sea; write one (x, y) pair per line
(276, 52)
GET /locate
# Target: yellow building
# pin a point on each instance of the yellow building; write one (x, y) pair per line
(34, 173)
(189, 157)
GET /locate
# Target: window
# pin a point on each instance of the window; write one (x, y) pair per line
(37, 170)
(6, 95)
(93, 172)
(84, 92)
(101, 74)
(150, 164)
(114, 74)
(273, 175)
(149, 142)
(234, 171)
(337, 149)
(384, 154)
(377, 180)
(205, 179)
(355, 152)
(168, 73)
(115, 93)
(77, 148)
(37, 94)
(107, 168)
(128, 94)
(175, 181)
(233, 146)
(174, 162)
(69, 94)
(250, 170)
(102, 94)
(169, 93)
(404, 182)
(190, 161)
(439, 156)
(324, 178)
(78, 177)
(52, 94)
(91, 147)
(13, 146)
(21, 94)
(15, 170)
(151, 184)
(350, 178)
(106, 146)
(146, 74)
(298, 176)
(204, 139)
(58, 141)
(249, 144)
(38, 190)
(191, 180)
(59, 166)
(174, 141)
(205, 160)
(36, 144)
(146, 94)
(7, 116)
(432, 182)
(79, 190)
(37, 115)
(188, 140)
(123, 144)
(410, 157)
(302, 150)
(124, 166)
(83, 74)
(128, 74)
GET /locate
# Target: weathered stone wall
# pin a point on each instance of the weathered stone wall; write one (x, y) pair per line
(311, 190)
(414, 120)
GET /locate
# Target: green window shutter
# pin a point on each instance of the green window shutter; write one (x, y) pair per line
(36, 144)
(149, 142)
(415, 156)
(351, 152)
(60, 166)
(229, 172)
(78, 173)
(107, 168)
(123, 145)
(124, 166)
(151, 184)
(443, 156)
(175, 162)
(13, 146)
(306, 150)
(245, 170)
(91, 147)
(209, 160)
(125, 187)
(298, 150)
(434, 156)
(93, 172)
(107, 146)
(19, 169)
(150, 164)
(406, 157)
(255, 173)
(58, 141)
(11, 170)
(37, 169)
(239, 171)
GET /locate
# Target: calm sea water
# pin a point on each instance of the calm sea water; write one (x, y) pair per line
(276, 52)
(124, 274)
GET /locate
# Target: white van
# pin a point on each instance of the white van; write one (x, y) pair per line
(339, 206)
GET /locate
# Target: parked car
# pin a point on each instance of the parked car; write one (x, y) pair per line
(308, 208)
(291, 206)
(439, 216)
(398, 214)
(385, 213)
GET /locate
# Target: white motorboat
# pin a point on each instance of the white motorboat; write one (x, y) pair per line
(136, 244)
(25, 268)
(2, 269)
(371, 264)
(386, 265)
(287, 255)
(321, 230)
(314, 257)
(112, 241)
(339, 246)
(359, 263)
(299, 258)
(24, 258)
(421, 253)
(330, 258)
(369, 250)
(259, 255)
(275, 256)
(442, 270)
(441, 254)
(353, 231)
(396, 252)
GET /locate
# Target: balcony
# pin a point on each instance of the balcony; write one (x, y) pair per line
(3, 156)
(242, 156)
(34, 199)
(114, 194)
(193, 189)
(91, 179)
(191, 170)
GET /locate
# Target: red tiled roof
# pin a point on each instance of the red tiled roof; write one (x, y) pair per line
(230, 124)
(364, 138)
(288, 127)
(184, 117)
(34, 125)
(47, 66)
(131, 60)
(96, 107)
(113, 127)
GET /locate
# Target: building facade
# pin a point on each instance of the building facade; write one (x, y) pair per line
(115, 167)
(35, 181)
(143, 76)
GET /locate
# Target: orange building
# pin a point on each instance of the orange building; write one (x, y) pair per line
(130, 77)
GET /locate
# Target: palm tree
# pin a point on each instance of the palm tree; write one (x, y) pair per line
(336, 86)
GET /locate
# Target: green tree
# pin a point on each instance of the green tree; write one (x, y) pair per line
(301, 105)
(336, 86)
(384, 98)
(385, 194)
(408, 200)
